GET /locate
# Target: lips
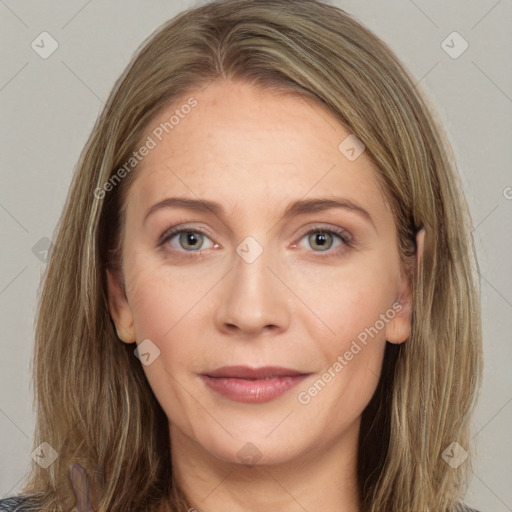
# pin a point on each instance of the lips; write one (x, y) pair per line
(252, 385)
(245, 372)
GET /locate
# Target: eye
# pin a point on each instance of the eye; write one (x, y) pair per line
(320, 240)
(323, 239)
(189, 240)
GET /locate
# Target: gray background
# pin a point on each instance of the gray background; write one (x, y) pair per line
(49, 107)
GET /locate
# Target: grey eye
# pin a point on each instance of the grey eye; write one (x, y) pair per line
(321, 240)
(191, 240)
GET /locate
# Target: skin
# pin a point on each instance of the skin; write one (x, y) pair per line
(255, 152)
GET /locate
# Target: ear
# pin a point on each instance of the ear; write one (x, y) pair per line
(120, 309)
(398, 329)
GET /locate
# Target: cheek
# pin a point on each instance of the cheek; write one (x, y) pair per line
(352, 306)
(340, 302)
(162, 310)
(354, 312)
(161, 296)
(169, 307)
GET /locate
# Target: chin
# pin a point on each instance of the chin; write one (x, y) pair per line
(252, 450)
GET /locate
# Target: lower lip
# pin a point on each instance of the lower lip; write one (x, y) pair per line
(252, 391)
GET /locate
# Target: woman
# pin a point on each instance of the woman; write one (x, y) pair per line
(262, 294)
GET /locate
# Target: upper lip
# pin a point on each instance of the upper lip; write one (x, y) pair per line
(246, 372)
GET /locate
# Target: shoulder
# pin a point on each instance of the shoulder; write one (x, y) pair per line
(15, 503)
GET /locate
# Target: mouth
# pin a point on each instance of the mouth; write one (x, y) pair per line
(252, 385)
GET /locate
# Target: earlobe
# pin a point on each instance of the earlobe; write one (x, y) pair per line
(398, 329)
(120, 309)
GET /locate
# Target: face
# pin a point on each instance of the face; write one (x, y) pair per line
(262, 274)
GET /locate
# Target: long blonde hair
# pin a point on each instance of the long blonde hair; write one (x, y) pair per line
(93, 403)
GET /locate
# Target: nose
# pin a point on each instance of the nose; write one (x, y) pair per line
(253, 300)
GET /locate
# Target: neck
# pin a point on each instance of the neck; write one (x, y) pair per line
(321, 479)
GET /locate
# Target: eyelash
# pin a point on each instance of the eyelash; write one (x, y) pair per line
(342, 234)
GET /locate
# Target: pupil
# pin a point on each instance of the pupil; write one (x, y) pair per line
(322, 240)
(191, 239)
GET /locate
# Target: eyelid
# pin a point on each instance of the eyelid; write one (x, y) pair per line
(341, 232)
(179, 228)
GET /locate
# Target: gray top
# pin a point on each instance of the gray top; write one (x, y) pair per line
(14, 504)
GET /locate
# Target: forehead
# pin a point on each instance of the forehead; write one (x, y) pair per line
(244, 145)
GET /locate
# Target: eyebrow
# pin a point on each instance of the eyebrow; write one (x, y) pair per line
(300, 207)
